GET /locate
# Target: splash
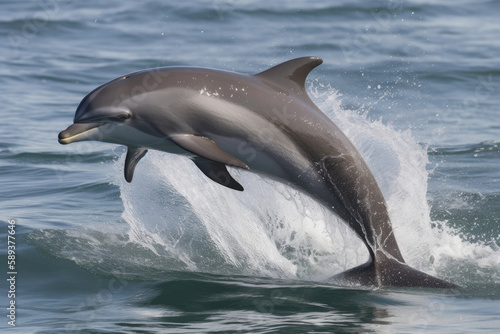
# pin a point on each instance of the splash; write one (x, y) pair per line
(399, 163)
(272, 230)
(267, 230)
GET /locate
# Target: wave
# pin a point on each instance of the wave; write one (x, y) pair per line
(52, 158)
(479, 148)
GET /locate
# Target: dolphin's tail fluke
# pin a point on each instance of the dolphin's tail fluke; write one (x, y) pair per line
(391, 273)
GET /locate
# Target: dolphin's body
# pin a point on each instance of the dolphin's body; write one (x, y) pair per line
(265, 123)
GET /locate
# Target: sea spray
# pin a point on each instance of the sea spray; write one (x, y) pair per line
(399, 165)
(267, 230)
(270, 229)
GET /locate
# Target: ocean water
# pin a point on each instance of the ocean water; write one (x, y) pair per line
(414, 84)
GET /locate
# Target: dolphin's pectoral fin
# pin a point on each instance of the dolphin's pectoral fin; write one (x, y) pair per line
(134, 154)
(206, 148)
(217, 172)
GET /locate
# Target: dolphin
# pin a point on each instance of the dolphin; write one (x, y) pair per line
(264, 123)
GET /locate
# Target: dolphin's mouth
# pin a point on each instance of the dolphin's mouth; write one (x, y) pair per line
(79, 132)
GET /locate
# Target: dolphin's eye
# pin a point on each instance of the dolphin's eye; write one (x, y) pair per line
(123, 117)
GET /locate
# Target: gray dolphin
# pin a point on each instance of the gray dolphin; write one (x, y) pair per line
(265, 123)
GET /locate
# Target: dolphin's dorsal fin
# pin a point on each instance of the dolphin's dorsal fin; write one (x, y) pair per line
(217, 172)
(134, 154)
(206, 148)
(290, 75)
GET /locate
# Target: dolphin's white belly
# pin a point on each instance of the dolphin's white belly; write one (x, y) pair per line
(132, 137)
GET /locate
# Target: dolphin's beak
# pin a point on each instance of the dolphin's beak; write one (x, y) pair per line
(80, 132)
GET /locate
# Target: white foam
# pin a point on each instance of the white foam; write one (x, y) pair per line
(268, 230)
(273, 230)
(399, 165)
